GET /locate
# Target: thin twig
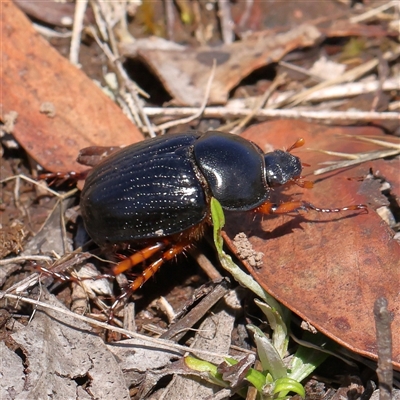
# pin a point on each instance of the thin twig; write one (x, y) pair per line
(259, 103)
(278, 81)
(80, 9)
(90, 321)
(170, 18)
(248, 5)
(198, 113)
(30, 180)
(132, 88)
(348, 76)
(351, 89)
(363, 157)
(225, 112)
(111, 51)
(22, 259)
(101, 25)
(225, 17)
(334, 92)
(382, 143)
(44, 31)
(383, 320)
(358, 158)
(375, 11)
(301, 70)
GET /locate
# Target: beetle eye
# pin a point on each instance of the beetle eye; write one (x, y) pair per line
(281, 167)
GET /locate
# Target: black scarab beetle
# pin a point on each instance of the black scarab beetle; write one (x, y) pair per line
(158, 192)
(162, 186)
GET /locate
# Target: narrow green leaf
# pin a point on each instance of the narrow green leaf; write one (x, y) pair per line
(256, 378)
(244, 279)
(287, 385)
(200, 365)
(307, 359)
(218, 219)
(280, 337)
(270, 359)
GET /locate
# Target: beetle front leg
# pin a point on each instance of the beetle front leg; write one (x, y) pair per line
(61, 177)
(292, 206)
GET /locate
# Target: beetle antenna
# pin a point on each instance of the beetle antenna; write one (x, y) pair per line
(298, 143)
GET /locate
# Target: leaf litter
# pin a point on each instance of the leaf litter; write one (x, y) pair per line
(52, 130)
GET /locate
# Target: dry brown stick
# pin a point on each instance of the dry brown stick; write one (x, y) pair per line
(79, 15)
(225, 112)
(205, 264)
(339, 92)
(226, 21)
(384, 371)
(170, 18)
(375, 11)
(383, 74)
(124, 79)
(248, 5)
(178, 330)
(348, 76)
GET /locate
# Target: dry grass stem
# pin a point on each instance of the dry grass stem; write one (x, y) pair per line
(375, 11)
(348, 76)
(226, 22)
(91, 321)
(302, 70)
(225, 112)
(79, 16)
(23, 259)
(127, 88)
(382, 143)
(238, 125)
(353, 89)
(48, 32)
(196, 114)
(360, 158)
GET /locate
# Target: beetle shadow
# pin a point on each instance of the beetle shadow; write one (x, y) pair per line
(254, 224)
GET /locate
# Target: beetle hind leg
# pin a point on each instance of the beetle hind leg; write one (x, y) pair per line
(138, 257)
(167, 253)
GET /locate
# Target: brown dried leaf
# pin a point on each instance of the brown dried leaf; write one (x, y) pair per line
(51, 12)
(236, 374)
(328, 268)
(185, 72)
(342, 28)
(58, 350)
(11, 371)
(331, 17)
(34, 73)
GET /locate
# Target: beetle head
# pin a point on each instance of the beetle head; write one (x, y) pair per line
(281, 167)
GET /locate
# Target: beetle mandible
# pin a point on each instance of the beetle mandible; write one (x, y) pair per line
(157, 192)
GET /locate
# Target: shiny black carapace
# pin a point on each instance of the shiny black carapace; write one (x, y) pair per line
(157, 192)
